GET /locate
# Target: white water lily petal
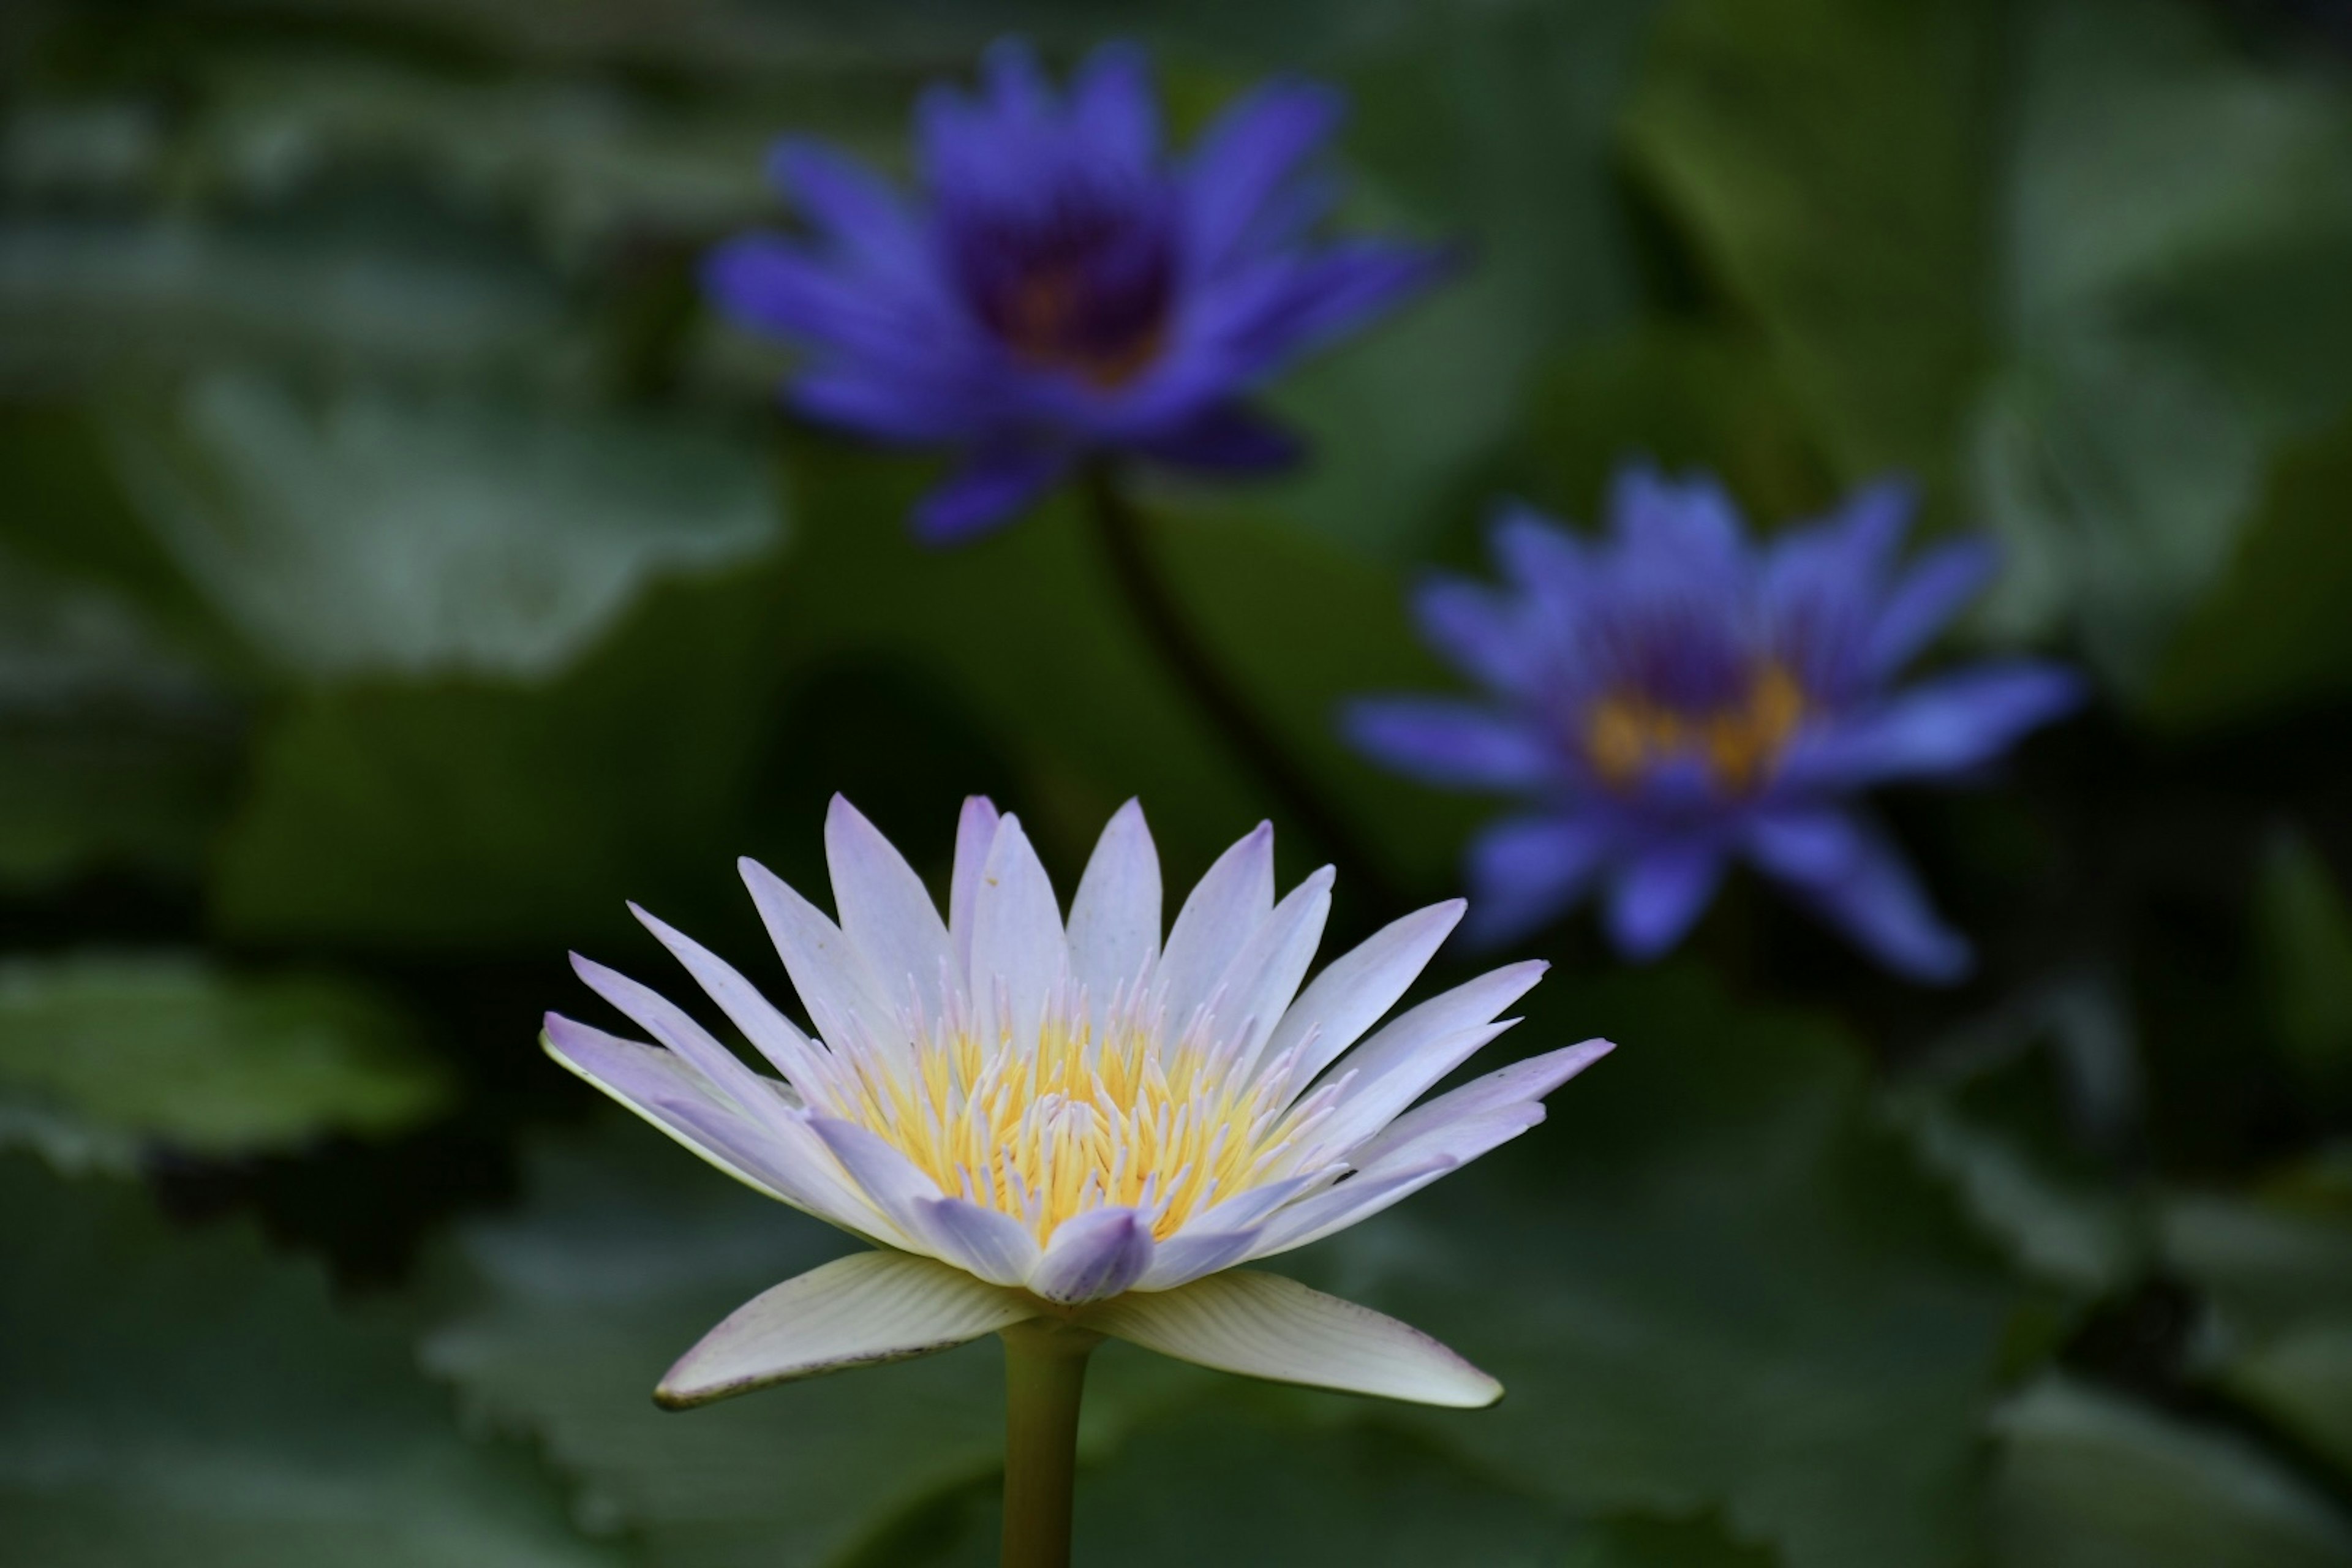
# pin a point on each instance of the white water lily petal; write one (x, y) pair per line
(1099, 1254)
(976, 834)
(1523, 1082)
(887, 1178)
(859, 1310)
(1264, 974)
(1016, 936)
(886, 910)
(1263, 1325)
(671, 1025)
(843, 998)
(1353, 1201)
(1182, 1259)
(1224, 910)
(1361, 984)
(1402, 1040)
(988, 1242)
(1370, 1103)
(775, 1036)
(1115, 918)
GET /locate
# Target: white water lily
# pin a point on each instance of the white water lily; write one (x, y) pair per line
(1037, 1118)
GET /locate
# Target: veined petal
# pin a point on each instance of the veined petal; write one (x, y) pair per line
(1351, 1202)
(893, 1184)
(886, 910)
(1096, 1255)
(1224, 910)
(777, 1037)
(1263, 1325)
(844, 1000)
(1521, 1083)
(1017, 938)
(991, 1244)
(670, 1024)
(859, 1310)
(1264, 974)
(1187, 1257)
(1378, 1094)
(1115, 918)
(1361, 984)
(1410, 1034)
(976, 832)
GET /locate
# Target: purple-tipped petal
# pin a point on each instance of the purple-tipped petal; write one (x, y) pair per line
(1451, 744)
(1658, 896)
(1525, 871)
(1857, 880)
(1094, 1256)
(988, 492)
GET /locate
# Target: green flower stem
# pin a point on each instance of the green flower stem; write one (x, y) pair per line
(1122, 529)
(1045, 1379)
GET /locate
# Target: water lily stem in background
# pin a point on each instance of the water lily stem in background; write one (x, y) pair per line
(1044, 1378)
(1121, 529)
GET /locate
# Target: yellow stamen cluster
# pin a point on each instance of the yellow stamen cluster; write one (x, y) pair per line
(1627, 734)
(1083, 1121)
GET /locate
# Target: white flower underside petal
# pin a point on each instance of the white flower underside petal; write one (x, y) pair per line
(843, 998)
(890, 1181)
(775, 1036)
(1352, 1202)
(1223, 913)
(1115, 916)
(1366, 1107)
(1361, 984)
(1192, 1253)
(975, 833)
(1263, 1325)
(1404, 1036)
(859, 1310)
(1520, 1082)
(673, 1026)
(886, 912)
(988, 1242)
(663, 1089)
(1264, 974)
(1016, 938)
(1092, 1256)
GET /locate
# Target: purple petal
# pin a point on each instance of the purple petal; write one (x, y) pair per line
(1226, 439)
(1245, 158)
(1526, 870)
(883, 407)
(1659, 895)
(1481, 632)
(1949, 725)
(1354, 281)
(1451, 744)
(989, 492)
(1927, 597)
(1857, 881)
(1092, 1256)
(1114, 109)
(860, 213)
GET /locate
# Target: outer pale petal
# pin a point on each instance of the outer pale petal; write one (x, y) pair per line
(1352, 1202)
(1092, 1256)
(975, 833)
(670, 1023)
(886, 910)
(982, 1241)
(1409, 1035)
(859, 1310)
(1263, 977)
(1522, 1083)
(778, 1038)
(1115, 918)
(1361, 984)
(1224, 910)
(1263, 1325)
(844, 1000)
(1016, 937)
(1376, 1098)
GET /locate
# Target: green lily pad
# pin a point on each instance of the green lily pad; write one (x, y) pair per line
(103, 1055)
(191, 1400)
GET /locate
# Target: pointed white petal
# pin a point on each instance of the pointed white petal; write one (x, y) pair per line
(1115, 918)
(1352, 1202)
(1097, 1254)
(890, 1181)
(843, 998)
(1223, 913)
(1361, 984)
(1264, 974)
(886, 910)
(1521, 1083)
(674, 1028)
(1263, 1325)
(859, 1310)
(1368, 1105)
(778, 1038)
(986, 1242)
(975, 833)
(1186, 1257)
(661, 1087)
(1016, 938)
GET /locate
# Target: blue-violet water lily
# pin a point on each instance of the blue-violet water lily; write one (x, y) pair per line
(1673, 697)
(1059, 285)
(1038, 1118)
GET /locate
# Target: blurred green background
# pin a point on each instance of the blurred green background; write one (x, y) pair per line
(399, 568)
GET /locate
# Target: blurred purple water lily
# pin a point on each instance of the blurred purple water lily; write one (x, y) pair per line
(1059, 285)
(1675, 696)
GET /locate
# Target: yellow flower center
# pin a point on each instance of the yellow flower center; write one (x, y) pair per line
(1083, 1121)
(1627, 734)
